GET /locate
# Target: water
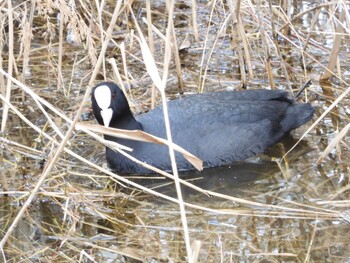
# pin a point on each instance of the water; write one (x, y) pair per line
(267, 209)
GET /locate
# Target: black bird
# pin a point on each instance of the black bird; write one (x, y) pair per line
(218, 127)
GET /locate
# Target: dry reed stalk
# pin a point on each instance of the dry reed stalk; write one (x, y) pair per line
(202, 73)
(118, 76)
(268, 67)
(275, 34)
(100, 25)
(24, 147)
(104, 48)
(26, 38)
(136, 256)
(60, 53)
(160, 83)
(333, 58)
(151, 46)
(311, 29)
(236, 38)
(177, 61)
(140, 135)
(155, 29)
(244, 54)
(124, 61)
(336, 140)
(2, 25)
(311, 243)
(286, 9)
(10, 63)
(242, 70)
(194, 20)
(339, 192)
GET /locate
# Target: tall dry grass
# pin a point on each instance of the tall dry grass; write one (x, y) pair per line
(67, 46)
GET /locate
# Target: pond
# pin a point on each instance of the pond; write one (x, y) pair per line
(290, 204)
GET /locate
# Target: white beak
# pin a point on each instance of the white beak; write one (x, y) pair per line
(103, 98)
(107, 116)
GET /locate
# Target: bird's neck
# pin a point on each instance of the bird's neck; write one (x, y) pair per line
(128, 122)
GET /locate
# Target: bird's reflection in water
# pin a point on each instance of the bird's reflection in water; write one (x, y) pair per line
(231, 179)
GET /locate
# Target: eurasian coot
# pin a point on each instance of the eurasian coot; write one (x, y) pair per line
(218, 127)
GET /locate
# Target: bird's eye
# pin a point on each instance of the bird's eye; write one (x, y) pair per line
(114, 95)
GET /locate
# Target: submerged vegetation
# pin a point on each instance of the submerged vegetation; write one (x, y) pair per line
(59, 203)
